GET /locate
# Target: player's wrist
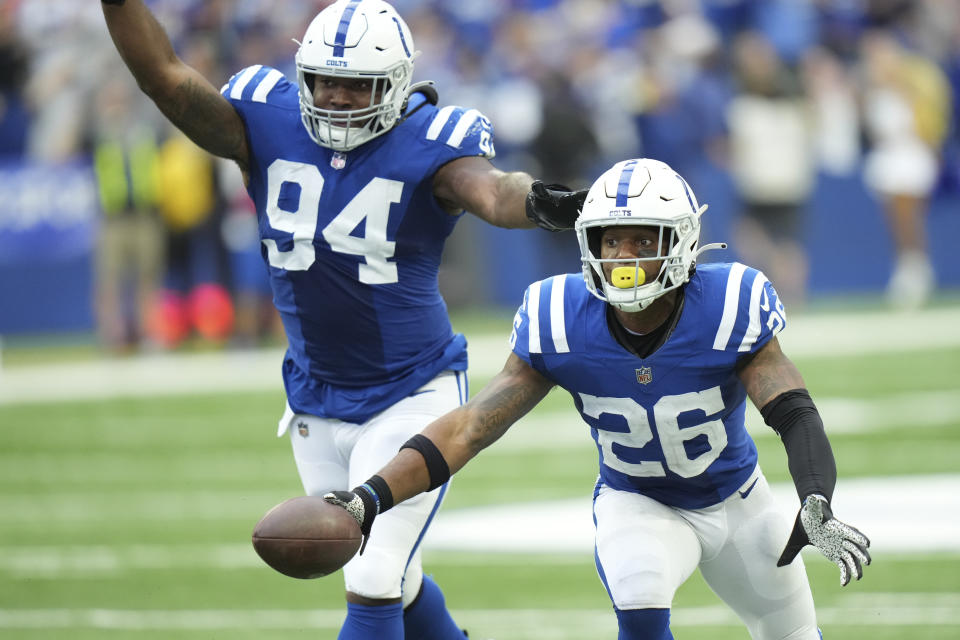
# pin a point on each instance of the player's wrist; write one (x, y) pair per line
(378, 492)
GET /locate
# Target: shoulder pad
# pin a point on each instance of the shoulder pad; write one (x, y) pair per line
(253, 84)
(462, 128)
(752, 312)
(540, 325)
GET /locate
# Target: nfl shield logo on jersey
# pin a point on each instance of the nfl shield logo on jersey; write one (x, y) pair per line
(644, 375)
(303, 429)
(339, 160)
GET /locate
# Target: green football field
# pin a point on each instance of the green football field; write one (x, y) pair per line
(128, 515)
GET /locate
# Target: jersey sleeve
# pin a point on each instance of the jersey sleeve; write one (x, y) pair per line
(540, 324)
(752, 312)
(458, 132)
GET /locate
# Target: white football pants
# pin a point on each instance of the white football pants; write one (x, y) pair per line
(646, 550)
(336, 455)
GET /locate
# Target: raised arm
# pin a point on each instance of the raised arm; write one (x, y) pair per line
(182, 93)
(447, 443)
(512, 200)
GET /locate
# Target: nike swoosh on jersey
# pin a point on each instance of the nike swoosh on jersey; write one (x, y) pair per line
(744, 494)
(421, 392)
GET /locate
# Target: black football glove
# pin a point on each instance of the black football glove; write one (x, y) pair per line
(842, 544)
(554, 207)
(360, 504)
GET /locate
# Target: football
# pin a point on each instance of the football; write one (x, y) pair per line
(306, 537)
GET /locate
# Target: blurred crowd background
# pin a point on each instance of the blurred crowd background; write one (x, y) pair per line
(824, 134)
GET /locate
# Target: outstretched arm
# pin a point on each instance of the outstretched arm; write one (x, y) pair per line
(777, 389)
(474, 184)
(464, 432)
(512, 200)
(182, 93)
(448, 443)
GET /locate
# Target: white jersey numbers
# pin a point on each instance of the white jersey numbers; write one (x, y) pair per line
(373, 204)
(666, 414)
(300, 223)
(370, 206)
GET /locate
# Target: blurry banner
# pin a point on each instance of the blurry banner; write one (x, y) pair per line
(48, 222)
(47, 213)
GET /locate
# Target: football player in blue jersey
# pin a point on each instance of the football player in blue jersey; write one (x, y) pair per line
(659, 355)
(358, 178)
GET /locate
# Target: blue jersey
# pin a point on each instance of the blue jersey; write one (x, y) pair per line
(353, 243)
(671, 425)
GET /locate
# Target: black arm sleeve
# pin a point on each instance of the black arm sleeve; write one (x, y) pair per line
(795, 418)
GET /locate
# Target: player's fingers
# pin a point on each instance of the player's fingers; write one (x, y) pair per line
(853, 559)
(852, 565)
(844, 573)
(854, 534)
(858, 551)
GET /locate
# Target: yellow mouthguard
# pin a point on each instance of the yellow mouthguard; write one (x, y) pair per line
(627, 277)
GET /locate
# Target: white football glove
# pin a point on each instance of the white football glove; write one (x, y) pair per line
(358, 503)
(842, 544)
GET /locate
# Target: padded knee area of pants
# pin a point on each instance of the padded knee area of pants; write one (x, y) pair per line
(375, 575)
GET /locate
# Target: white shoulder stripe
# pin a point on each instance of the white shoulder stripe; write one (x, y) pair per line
(245, 77)
(533, 313)
(439, 122)
(753, 329)
(731, 302)
(463, 125)
(558, 325)
(266, 85)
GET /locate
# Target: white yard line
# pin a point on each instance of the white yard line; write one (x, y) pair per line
(807, 335)
(532, 624)
(917, 525)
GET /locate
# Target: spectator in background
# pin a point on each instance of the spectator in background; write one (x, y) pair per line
(14, 117)
(771, 162)
(906, 104)
(566, 146)
(255, 318)
(194, 298)
(129, 257)
(834, 112)
(684, 93)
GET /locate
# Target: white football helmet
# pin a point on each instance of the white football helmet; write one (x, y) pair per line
(360, 39)
(640, 192)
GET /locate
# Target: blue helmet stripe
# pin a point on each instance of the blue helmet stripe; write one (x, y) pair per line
(686, 189)
(345, 19)
(402, 39)
(623, 188)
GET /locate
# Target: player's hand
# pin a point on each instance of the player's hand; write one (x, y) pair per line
(358, 503)
(839, 542)
(554, 207)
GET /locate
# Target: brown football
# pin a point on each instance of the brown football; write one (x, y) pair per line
(306, 537)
